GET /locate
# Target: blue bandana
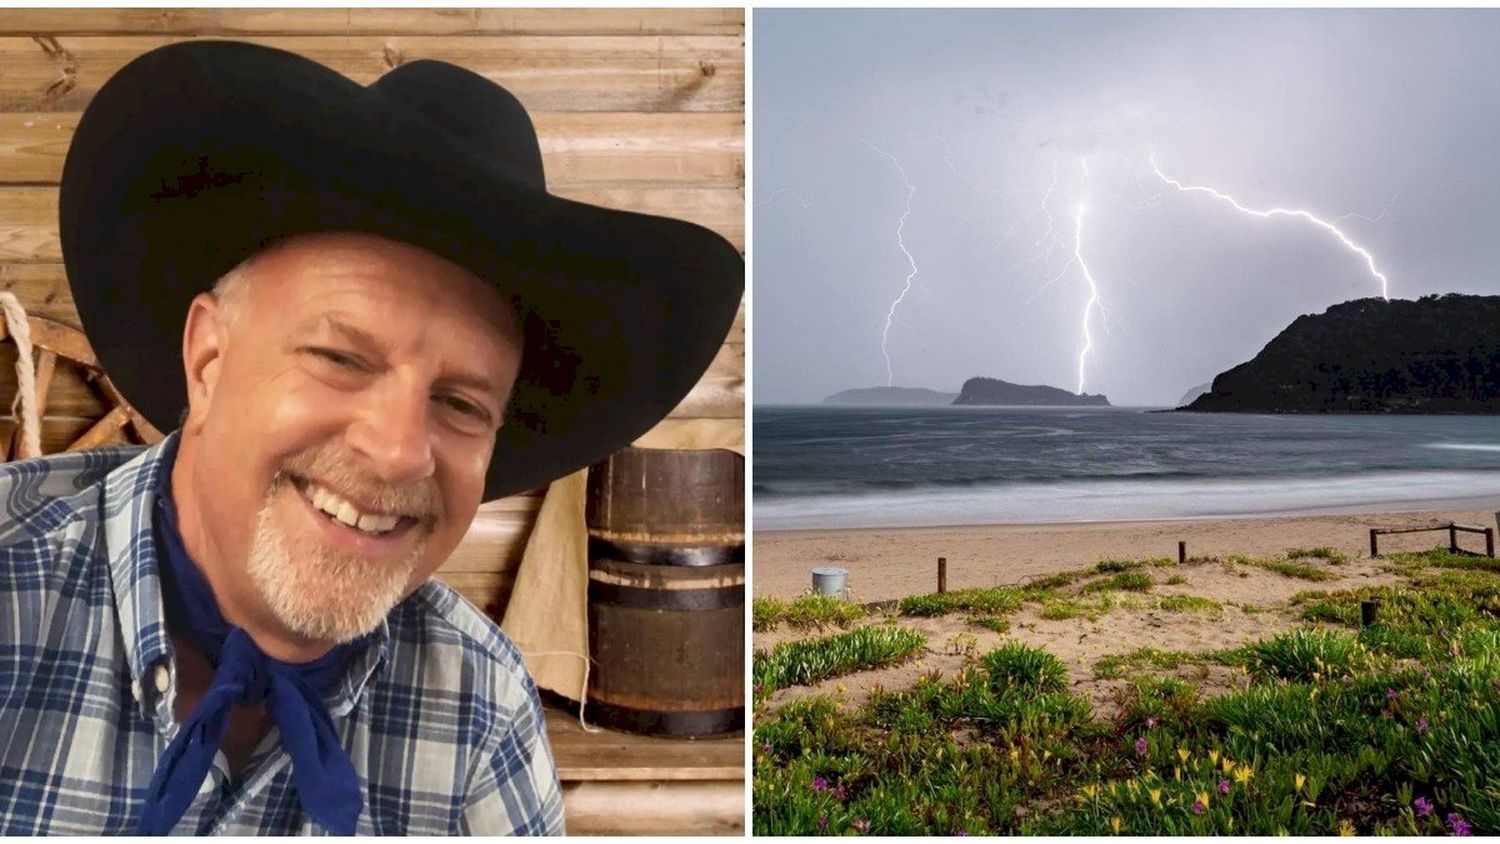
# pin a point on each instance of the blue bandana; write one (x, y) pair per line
(326, 783)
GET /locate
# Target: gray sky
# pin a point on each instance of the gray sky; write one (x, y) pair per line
(1333, 112)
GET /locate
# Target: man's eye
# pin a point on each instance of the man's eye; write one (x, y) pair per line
(463, 406)
(339, 358)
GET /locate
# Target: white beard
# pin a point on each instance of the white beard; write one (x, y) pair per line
(319, 592)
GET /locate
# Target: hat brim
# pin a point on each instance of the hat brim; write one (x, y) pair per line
(193, 158)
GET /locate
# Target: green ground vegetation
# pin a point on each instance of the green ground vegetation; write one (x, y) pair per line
(808, 611)
(1334, 728)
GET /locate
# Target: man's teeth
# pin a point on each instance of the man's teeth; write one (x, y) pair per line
(329, 502)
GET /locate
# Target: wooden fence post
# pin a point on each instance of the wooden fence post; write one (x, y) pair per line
(1489, 542)
(1452, 538)
(1374, 544)
(1181, 552)
(942, 575)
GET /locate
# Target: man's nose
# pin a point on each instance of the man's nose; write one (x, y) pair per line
(392, 432)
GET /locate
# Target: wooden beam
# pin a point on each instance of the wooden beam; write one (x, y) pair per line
(47, 73)
(242, 22)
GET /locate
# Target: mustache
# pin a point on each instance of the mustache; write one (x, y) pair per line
(330, 466)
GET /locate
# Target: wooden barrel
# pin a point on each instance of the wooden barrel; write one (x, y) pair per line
(667, 591)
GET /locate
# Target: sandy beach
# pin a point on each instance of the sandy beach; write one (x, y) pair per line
(885, 564)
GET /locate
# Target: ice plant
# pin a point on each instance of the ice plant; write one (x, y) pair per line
(1242, 774)
(1224, 786)
(1156, 796)
(1422, 725)
(822, 821)
(1115, 823)
(819, 784)
(1423, 806)
(1213, 757)
(861, 824)
(1183, 754)
(1301, 780)
(1390, 694)
(1203, 798)
(1140, 746)
(1198, 807)
(1458, 826)
(1346, 828)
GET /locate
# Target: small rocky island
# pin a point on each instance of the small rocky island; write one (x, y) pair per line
(993, 391)
(1438, 354)
(890, 397)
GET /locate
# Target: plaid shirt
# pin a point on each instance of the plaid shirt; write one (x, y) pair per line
(439, 715)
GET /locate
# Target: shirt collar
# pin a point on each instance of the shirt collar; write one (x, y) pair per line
(130, 543)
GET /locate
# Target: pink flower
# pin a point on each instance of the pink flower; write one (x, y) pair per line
(1390, 694)
(1422, 725)
(1152, 721)
(862, 825)
(1224, 786)
(822, 821)
(1423, 806)
(1458, 826)
(1198, 807)
(1140, 746)
(840, 792)
(819, 784)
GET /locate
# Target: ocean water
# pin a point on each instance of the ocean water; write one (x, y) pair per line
(827, 467)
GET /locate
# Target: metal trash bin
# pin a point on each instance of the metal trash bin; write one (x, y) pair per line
(830, 580)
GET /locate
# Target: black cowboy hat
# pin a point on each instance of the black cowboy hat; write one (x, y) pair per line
(197, 155)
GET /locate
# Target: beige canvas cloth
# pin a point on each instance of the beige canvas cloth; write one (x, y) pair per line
(548, 614)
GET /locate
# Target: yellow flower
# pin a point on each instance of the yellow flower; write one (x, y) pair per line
(1203, 798)
(1015, 754)
(1242, 774)
(1177, 773)
(1183, 754)
(1156, 796)
(1301, 781)
(1228, 764)
(1213, 757)
(1346, 828)
(1115, 823)
(1090, 790)
(1046, 754)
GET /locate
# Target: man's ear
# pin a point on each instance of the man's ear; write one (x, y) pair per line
(204, 338)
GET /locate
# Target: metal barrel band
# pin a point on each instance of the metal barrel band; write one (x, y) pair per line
(666, 555)
(657, 722)
(674, 600)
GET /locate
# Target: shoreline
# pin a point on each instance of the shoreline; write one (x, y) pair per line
(1476, 504)
(891, 563)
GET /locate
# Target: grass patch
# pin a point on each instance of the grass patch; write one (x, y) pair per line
(1115, 666)
(999, 624)
(1130, 581)
(997, 600)
(1176, 580)
(1189, 603)
(1308, 655)
(1050, 582)
(806, 612)
(807, 661)
(1321, 552)
(1301, 571)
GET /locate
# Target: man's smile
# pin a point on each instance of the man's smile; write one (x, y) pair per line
(359, 528)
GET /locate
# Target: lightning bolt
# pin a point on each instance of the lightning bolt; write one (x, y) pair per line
(1088, 275)
(1297, 213)
(890, 316)
(1088, 308)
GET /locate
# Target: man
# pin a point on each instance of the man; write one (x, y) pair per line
(375, 318)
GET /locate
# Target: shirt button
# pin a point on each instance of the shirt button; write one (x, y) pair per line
(161, 679)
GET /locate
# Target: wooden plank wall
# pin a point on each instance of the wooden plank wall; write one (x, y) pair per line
(636, 109)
